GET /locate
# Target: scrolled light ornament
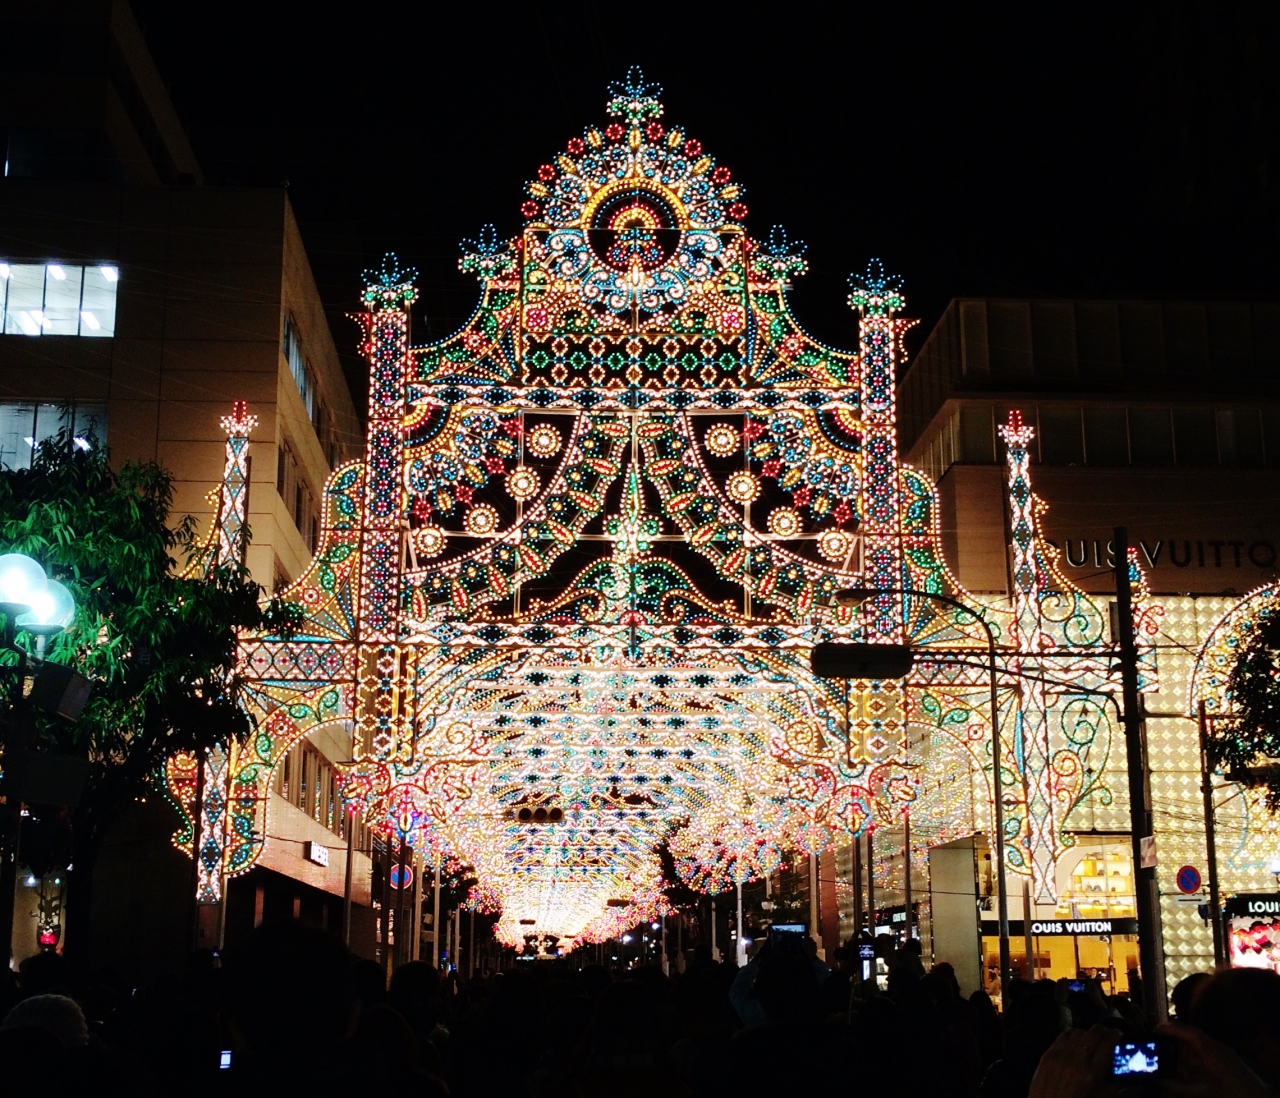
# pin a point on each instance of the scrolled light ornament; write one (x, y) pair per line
(522, 483)
(722, 440)
(835, 545)
(742, 487)
(543, 441)
(784, 522)
(482, 520)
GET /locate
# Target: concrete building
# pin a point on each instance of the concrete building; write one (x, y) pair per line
(142, 303)
(1163, 417)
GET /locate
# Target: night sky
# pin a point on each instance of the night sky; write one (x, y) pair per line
(1085, 155)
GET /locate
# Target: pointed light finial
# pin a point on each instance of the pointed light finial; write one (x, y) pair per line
(1016, 433)
(239, 423)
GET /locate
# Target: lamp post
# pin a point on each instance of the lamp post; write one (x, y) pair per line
(31, 603)
(855, 596)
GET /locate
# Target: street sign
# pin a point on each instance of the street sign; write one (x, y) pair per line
(1188, 880)
(401, 877)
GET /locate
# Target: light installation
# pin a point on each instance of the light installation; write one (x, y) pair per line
(594, 537)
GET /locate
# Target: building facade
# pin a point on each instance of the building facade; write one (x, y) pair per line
(1164, 418)
(137, 305)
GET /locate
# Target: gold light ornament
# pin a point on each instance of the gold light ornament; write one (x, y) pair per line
(784, 522)
(835, 545)
(543, 440)
(742, 487)
(482, 519)
(722, 440)
(522, 483)
(428, 541)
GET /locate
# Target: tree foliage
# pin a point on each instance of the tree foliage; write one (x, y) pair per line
(158, 646)
(1247, 746)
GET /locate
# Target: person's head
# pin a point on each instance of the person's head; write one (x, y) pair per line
(1241, 1008)
(289, 986)
(810, 946)
(787, 986)
(1185, 991)
(43, 974)
(55, 1014)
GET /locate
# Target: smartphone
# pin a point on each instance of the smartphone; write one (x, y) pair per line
(1075, 985)
(224, 1058)
(787, 935)
(1143, 1058)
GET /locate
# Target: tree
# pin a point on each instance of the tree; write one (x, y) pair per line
(159, 646)
(1247, 746)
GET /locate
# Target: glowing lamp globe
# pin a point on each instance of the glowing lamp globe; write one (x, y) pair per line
(20, 579)
(52, 609)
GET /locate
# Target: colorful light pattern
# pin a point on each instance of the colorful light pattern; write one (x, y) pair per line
(594, 538)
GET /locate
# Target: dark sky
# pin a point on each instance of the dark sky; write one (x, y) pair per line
(1087, 154)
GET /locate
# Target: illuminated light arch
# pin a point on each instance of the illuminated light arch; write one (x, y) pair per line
(597, 533)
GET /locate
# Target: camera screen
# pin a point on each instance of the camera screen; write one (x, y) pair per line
(1136, 1058)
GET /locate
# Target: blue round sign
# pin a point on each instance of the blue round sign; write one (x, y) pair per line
(401, 878)
(1188, 880)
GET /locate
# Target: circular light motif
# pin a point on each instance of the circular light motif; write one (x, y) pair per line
(835, 545)
(428, 541)
(742, 487)
(784, 522)
(543, 440)
(634, 229)
(482, 519)
(722, 440)
(522, 483)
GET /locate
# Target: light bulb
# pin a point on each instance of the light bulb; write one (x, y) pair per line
(20, 579)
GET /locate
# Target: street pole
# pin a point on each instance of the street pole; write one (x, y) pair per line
(416, 932)
(741, 946)
(402, 939)
(871, 881)
(1150, 946)
(906, 859)
(197, 816)
(435, 918)
(11, 809)
(815, 914)
(1211, 842)
(346, 883)
(855, 872)
(471, 953)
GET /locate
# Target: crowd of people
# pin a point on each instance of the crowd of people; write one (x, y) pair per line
(290, 1009)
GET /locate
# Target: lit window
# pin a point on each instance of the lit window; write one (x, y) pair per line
(58, 299)
(24, 428)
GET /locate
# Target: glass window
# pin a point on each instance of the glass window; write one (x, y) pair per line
(62, 299)
(1246, 436)
(24, 304)
(58, 299)
(1061, 441)
(90, 425)
(1106, 436)
(299, 367)
(17, 435)
(977, 442)
(1195, 436)
(98, 306)
(1150, 436)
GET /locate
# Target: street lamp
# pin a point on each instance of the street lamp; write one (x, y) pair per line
(31, 603)
(856, 596)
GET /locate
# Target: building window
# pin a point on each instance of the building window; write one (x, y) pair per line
(25, 427)
(300, 369)
(58, 299)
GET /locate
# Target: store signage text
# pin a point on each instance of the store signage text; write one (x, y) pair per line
(1060, 928)
(1253, 905)
(1180, 552)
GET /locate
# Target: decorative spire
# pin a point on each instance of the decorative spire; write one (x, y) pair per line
(486, 257)
(390, 286)
(876, 293)
(779, 259)
(633, 98)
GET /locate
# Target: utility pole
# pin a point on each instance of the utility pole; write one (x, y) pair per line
(906, 859)
(855, 872)
(815, 911)
(871, 882)
(435, 918)
(346, 883)
(1150, 944)
(1211, 842)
